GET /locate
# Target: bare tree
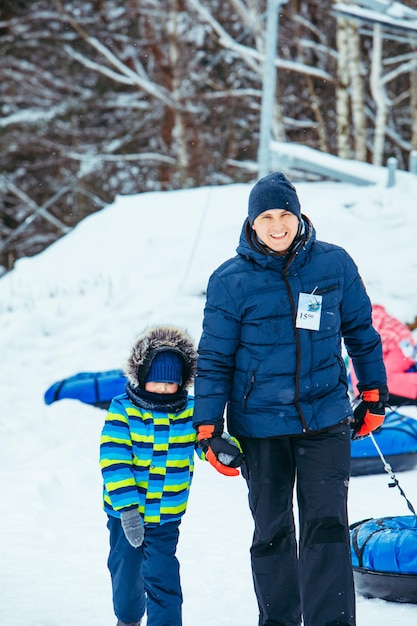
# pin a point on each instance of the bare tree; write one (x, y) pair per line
(100, 98)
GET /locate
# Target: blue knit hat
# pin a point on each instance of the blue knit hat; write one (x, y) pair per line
(166, 367)
(274, 191)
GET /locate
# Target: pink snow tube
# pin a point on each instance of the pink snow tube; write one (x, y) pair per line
(399, 352)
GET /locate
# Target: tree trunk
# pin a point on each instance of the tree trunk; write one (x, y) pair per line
(342, 94)
(357, 92)
(379, 96)
(179, 130)
(413, 108)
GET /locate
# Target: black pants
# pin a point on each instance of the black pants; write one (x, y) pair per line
(314, 581)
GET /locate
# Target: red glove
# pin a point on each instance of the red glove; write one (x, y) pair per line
(220, 449)
(370, 412)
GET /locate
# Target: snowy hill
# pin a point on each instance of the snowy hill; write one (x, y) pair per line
(78, 306)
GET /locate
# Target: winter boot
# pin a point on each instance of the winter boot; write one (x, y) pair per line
(120, 623)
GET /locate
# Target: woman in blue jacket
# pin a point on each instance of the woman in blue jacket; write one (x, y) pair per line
(270, 354)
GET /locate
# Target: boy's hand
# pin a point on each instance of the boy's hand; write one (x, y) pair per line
(221, 450)
(370, 412)
(133, 528)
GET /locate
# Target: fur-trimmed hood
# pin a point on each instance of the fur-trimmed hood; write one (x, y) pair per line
(156, 339)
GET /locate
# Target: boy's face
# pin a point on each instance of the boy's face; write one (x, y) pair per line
(162, 388)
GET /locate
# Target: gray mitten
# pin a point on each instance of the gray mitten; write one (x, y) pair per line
(132, 525)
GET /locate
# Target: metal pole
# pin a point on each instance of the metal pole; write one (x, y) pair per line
(392, 164)
(412, 166)
(268, 85)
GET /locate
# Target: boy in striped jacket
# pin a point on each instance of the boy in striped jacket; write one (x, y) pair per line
(147, 461)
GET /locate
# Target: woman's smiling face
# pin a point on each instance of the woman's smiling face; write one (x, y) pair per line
(276, 228)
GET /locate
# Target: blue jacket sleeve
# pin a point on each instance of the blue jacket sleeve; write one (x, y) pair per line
(362, 341)
(216, 354)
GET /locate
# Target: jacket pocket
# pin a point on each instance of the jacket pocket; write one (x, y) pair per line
(248, 393)
(324, 290)
(343, 373)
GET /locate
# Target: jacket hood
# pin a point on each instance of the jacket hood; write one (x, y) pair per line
(156, 339)
(250, 247)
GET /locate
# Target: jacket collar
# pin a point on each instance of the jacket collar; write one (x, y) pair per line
(169, 403)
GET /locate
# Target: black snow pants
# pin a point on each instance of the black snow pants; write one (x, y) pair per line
(315, 581)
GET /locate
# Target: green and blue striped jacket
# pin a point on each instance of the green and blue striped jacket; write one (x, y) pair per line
(147, 460)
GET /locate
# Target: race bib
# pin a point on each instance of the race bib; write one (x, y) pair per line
(309, 311)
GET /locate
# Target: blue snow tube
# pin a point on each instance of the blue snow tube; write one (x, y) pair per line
(96, 388)
(384, 558)
(397, 440)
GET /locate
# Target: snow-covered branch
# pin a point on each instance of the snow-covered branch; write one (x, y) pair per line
(123, 74)
(249, 55)
(404, 68)
(97, 157)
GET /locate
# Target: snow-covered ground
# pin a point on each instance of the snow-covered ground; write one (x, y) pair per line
(78, 306)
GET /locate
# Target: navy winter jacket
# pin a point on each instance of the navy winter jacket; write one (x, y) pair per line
(274, 378)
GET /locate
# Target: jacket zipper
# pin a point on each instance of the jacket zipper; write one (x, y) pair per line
(298, 344)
